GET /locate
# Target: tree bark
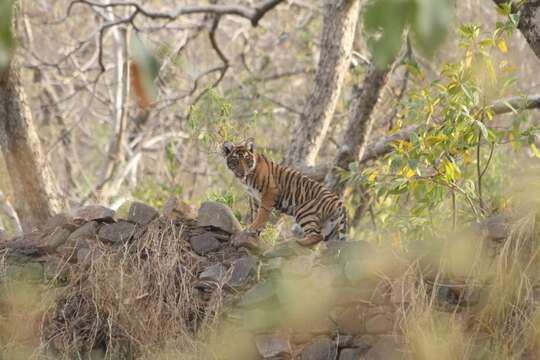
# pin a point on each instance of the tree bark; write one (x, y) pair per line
(529, 22)
(338, 33)
(356, 135)
(32, 182)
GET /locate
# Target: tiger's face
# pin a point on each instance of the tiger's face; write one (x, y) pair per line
(241, 159)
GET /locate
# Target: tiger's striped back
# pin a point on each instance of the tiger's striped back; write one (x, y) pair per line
(318, 211)
(309, 202)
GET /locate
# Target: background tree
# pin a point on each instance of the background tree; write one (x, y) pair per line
(338, 33)
(31, 180)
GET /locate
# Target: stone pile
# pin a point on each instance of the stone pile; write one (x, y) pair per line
(341, 301)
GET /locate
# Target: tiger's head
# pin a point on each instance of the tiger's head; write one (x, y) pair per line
(241, 159)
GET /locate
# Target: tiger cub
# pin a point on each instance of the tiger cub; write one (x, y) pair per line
(318, 211)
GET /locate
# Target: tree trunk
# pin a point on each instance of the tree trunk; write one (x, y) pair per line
(356, 135)
(31, 180)
(338, 34)
(529, 22)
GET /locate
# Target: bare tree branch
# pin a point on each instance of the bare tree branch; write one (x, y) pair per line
(254, 14)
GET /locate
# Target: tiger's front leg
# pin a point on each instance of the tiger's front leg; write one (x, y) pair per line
(263, 212)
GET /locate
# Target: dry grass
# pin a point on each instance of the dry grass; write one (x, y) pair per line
(134, 299)
(505, 322)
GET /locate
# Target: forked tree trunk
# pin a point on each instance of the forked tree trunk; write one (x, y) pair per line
(356, 135)
(31, 180)
(338, 33)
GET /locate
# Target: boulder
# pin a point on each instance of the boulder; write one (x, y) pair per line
(215, 273)
(83, 254)
(379, 324)
(321, 348)
(85, 232)
(286, 250)
(349, 321)
(272, 346)
(260, 294)
(58, 237)
(4, 236)
(351, 354)
(141, 214)
(117, 233)
(214, 214)
(299, 266)
(364, 342)
(388, 347)
(497, 227)
(56, 221)
(247, 240)
(242, 270)
(204, 243)
(94, 212)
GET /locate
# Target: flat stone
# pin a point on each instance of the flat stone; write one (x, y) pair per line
(344, 341)
(364, 342)
(85, 232)
(497, 227)
(56, 221)
(322, 348)
(218, 215)
(215, 273)
(458, 295)
(83, 254)
(299, 266)
(247, 240)
(242, 270)
(58, 237)
(348, 321)
(271, 346)
(286, 250)
(379, 324)
(262, 321)
(388, 347)
(273, 264)
(354, 295)
(348, 250)
(94, 212)
(258, 295)
(141, 213)
(117, 233)
(351, 354)
(54, 268)
(4, 236)
(204, 243)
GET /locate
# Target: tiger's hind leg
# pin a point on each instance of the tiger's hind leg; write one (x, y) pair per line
(311, 226)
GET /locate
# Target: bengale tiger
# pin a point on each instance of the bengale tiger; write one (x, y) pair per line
(318, 211)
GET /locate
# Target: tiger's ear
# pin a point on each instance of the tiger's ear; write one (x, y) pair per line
(250, 144)
(227, 147)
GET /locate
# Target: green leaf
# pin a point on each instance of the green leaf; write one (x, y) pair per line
(483, 129)
(7, 41)
(384, 22)
(430, 23)
(534, 150)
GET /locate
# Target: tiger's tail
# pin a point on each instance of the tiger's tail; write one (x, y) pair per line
(342, 224)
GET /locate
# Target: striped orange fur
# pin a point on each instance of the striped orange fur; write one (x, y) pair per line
(318, 211)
